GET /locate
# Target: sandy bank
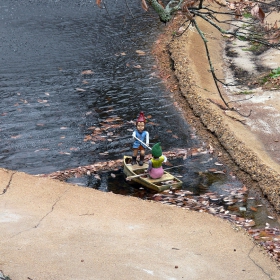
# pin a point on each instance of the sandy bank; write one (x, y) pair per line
(246, 146)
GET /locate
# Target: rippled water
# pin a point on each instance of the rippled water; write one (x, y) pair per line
(69, 68)
(48, 104)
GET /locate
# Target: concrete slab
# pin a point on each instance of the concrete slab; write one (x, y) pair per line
(54, 230)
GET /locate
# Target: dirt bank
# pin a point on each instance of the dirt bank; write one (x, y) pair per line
(195, 88)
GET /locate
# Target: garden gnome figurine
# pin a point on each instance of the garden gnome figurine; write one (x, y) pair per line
(155, 169)
(141, 139)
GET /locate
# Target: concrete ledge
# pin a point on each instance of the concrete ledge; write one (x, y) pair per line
(54, 230)
(191, 70)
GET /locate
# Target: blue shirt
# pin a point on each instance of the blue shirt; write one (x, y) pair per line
(144, 137)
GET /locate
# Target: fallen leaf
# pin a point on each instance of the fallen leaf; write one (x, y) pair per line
(238, 14)
(80, 89)
(87, 72)
(87, 138)
(270, 217)
(65, 153)
(250, 224)
(231, 6)
(140, 52)
(144, 5)
(258, 13)
(16, 136)
(219, 172)
(212, 170)
(42, 100)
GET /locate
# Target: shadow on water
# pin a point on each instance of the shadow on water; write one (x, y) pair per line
(73, 79)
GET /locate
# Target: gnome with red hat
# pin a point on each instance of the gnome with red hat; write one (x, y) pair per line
(141, 139)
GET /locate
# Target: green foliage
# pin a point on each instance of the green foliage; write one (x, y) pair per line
(4, 277)
(271, 80)
(275, 73)
(247, 15)
(264, 80)
(252, 48)
(245, 92)
(241, 38)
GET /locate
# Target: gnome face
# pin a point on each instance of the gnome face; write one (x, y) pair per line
(140, 126)
(140, 123)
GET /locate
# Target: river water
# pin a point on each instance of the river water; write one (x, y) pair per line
(67, 66)
(68, 69)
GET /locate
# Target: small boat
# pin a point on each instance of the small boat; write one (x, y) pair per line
(167, 181)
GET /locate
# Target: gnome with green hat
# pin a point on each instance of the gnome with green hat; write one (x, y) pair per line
(155, 169)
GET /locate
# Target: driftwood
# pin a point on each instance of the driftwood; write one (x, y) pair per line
(114, 165)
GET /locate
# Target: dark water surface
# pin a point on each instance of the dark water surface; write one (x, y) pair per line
(68, 69)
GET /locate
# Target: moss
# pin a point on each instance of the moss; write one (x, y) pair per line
(247, 15)
(245, 92)
(275, 73)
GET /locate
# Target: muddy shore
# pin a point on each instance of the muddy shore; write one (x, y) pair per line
(184, 66)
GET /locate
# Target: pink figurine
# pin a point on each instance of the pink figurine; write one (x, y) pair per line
(155, 169)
